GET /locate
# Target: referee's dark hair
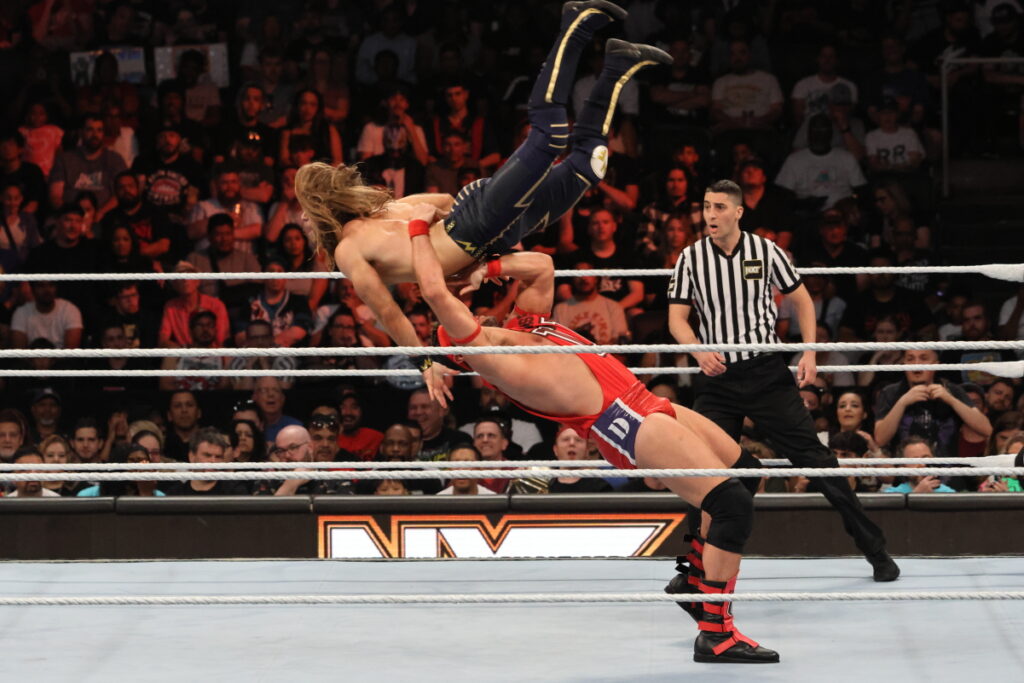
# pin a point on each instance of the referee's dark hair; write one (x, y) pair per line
(728, 187)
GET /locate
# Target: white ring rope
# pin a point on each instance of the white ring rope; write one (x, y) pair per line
(1013, 272)
(1015, 345)
(341, 474)
(442, 465)
(997, 368)
(495, 598)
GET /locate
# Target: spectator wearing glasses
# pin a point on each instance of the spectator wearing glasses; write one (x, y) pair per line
(259, 334)
(151, 440)
(294, 443)
(128, 453)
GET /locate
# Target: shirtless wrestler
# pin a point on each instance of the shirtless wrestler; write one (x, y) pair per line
(595, 393)
(363, 228)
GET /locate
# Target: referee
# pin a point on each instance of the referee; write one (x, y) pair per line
(728, 277)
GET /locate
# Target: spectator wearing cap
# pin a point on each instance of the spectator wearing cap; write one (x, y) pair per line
(45, 409)
(221, 256)
(13, 429)
(171, 179)
(245, 126)
(820, 175)
(174, 329)
(14, 170)
(259, 334)
(90, 166)
(207, 446)
(256, 178)
(227, 199)
(892, 147)
(355, 438)
(826, 92)
(465, 487)
(287, 313)
(30, 489)
(767, 208)
(202, 328)
(49, 317)
(151, 229)
(834, 249)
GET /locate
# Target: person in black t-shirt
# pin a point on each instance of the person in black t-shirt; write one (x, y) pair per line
(682, 94)
(767, 208)
(438, 440)
(603, 252)
(24, 174)
(151, 228)
(207, 446)
(569, 445)
(883, 299)
(171, 177)
(835, 250)
(250, 102)
(68, 251)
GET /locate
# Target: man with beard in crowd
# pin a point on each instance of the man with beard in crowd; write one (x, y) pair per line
(150, 227)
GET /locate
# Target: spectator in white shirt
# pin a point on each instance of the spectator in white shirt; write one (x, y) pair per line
(30, 489)
(821, 172)
(892, 147)
(745, 98)
(464, 487)
(57, 320)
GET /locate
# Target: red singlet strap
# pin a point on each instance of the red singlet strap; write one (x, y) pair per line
(418, 227)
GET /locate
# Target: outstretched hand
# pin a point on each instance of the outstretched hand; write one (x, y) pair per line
(438, 385)
(477, 277)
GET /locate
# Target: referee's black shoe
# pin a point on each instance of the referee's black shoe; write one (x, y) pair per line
(885, 567)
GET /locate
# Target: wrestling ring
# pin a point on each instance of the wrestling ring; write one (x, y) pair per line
(578, 619)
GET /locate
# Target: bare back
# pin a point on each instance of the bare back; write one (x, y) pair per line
(383, 242)
(554, 384)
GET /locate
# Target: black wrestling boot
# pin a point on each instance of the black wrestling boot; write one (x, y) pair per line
(637, 53)
(691, 572)
(885, 568)
(719, 640)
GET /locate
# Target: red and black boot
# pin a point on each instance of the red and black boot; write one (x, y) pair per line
(719, 640)
(691, 573)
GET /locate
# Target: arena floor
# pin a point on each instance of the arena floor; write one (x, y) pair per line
(900, 641)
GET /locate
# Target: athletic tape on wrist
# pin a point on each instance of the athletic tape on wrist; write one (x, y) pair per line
(493, 268)
(418, 227)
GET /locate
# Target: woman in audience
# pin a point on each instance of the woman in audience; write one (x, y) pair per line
(56, 450)
(294, 250)
(125, 453)
(247, 442)
(307, 118)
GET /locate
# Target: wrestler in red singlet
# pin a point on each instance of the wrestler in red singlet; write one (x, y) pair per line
(625, 400)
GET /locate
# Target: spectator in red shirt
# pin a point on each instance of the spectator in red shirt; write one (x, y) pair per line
(174, 330)
(354, 437)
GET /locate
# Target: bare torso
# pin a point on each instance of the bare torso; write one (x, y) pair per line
(554, 384)
(383, 242)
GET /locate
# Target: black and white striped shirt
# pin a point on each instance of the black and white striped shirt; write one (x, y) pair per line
(733, 294)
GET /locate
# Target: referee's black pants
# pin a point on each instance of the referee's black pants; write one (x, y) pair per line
(763, 389)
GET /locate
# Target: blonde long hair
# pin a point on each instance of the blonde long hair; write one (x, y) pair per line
(332, 196)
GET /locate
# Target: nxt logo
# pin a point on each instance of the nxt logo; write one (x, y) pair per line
(753, 269)
(577, 535)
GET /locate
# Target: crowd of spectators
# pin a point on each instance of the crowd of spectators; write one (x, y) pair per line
(112, 160)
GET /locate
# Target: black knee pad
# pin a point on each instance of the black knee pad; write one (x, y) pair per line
(732, 515)
(748, 461)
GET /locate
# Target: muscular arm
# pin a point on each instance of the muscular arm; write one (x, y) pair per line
(457, 319)
(886, 428)
(808, 332)
(536, 272)
(374, 293)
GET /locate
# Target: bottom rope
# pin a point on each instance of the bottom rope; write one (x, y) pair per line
(495, 598)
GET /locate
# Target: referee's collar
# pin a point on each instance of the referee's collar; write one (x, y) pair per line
(718, 250)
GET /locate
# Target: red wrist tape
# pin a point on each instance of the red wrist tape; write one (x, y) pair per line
(418, 227)
(493, 268)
